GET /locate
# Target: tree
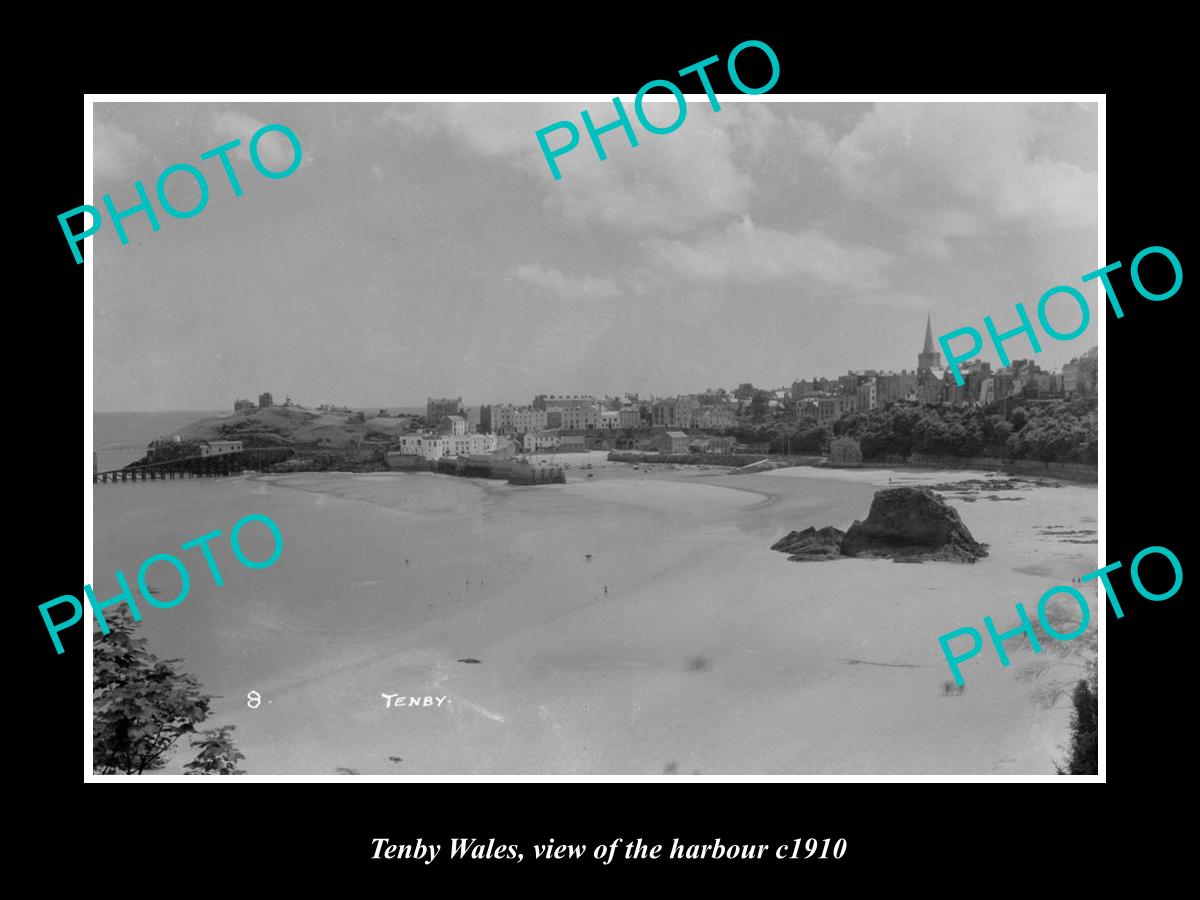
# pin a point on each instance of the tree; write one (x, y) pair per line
(744, 391)
(1056, 432)
(1084, 748)
(217, 754)
(812, 439)
(163, 450)
(760, 405)
(142, 705)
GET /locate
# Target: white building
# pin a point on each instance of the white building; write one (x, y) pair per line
(674, 442)
(582, 417)
(508, 419)
(219, 448)
(453, 425)
(631, 417)
(674, 412)
(714, 417)
(535, 442)
(438, 446)
(616, 420)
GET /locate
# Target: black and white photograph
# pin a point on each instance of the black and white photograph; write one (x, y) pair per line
(497, 437)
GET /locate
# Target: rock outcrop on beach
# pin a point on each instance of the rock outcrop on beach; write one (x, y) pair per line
(906, 524)
(812, 544)
(912, 522)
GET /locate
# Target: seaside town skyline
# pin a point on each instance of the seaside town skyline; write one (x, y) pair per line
(893, 385)
(824, 398)
(711, 421)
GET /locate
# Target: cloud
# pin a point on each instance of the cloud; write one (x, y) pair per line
(897, 299)
(274, 149)
(568, 287)
(497, 130)
(956, 169)
(930, 174)
(927, 244)
(668, 183)
(747, 254)
(115, 152)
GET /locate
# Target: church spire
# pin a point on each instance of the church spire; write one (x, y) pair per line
(929, 358)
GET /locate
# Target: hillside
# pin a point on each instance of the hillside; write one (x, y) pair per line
(292, 425)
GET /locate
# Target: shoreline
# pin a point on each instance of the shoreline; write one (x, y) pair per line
(1013, 469)
(622, 623)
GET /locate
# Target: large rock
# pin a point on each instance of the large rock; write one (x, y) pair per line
(907, 524)
(811, 544)
(912, 523)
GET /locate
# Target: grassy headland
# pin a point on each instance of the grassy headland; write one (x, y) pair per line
(320, 440)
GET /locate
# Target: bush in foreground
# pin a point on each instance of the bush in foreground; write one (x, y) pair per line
(143, 705)
(1083, 759)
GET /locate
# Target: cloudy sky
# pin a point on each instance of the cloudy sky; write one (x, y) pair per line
(425, 249)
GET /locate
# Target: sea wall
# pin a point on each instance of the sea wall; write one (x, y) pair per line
(405, 462)
(735, 460)
(1068, 471)
(514, 470)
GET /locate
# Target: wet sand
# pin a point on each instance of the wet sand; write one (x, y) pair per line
(709, 652)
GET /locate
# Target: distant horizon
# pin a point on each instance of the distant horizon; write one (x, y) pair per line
(600, 395)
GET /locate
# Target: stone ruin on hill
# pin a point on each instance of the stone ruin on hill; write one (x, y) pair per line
(906, 524)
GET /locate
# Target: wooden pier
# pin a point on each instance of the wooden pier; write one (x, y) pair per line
(197, 466)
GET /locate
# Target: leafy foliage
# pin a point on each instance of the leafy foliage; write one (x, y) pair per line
(1083, 759)
(801, 436)
(142, 705)
(1061, 664)
(1054, 432)
(744, 391)
(1070, 668)
(760, 405)
(167, 451)
(217, 754)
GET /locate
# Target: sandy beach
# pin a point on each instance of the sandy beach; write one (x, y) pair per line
(632, 622)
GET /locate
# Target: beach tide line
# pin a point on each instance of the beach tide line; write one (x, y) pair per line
(475, 707)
